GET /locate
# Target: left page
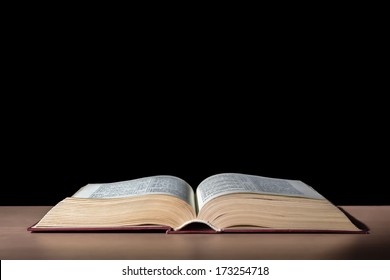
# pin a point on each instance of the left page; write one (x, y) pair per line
(144, 203)
(162, 184)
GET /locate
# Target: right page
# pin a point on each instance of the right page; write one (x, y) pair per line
(227, 183)
(242, 202)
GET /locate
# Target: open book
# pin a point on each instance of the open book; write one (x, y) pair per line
(227, 202)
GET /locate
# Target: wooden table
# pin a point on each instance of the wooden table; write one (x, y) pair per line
(17, 243)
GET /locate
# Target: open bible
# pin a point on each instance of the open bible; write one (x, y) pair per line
(226, 202)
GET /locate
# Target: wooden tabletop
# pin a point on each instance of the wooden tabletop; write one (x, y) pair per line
(17, 243)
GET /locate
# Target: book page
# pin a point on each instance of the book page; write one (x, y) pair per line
(227, 183)
(169, 185)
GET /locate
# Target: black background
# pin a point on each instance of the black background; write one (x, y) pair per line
(327, 143)
(90, 104)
